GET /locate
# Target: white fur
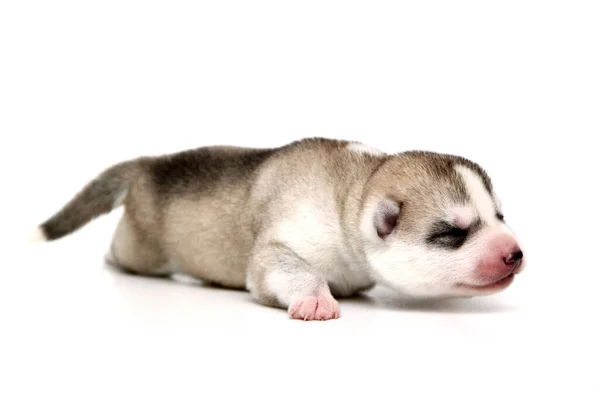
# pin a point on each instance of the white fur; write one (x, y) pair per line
(289, 286)
(418, 270)
(323, 227)
(486, 205)
(462, 216)
(480, 197)
(324, 248)
(414, 268)
(37, 236)
(364, 149)
(411, 268)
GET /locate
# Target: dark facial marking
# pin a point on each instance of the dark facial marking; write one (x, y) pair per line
(441, 168)
(448, 236)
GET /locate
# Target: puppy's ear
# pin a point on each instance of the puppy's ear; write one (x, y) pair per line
(386, 217)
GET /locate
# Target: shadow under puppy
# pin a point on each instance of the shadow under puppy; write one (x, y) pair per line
(301, 224)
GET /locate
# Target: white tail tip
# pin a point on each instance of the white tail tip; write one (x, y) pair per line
(37, 236)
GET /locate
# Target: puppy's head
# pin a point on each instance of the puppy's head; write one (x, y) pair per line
(433, 226)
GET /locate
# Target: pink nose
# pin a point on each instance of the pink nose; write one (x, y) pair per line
(503, 257)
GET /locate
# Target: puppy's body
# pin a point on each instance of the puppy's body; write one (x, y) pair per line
(294, 225)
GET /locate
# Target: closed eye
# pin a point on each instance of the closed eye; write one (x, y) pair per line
(451, 233)
(446, 235)
(454, 232)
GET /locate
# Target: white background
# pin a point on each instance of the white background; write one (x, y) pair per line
(513, 85)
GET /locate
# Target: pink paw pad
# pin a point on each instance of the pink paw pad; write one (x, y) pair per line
(319, 308)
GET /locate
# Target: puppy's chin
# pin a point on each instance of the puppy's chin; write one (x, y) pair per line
(487, 289)
(455, 291)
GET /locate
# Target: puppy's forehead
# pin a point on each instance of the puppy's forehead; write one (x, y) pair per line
(440, 171)
(479, 194)
(461, 189)
(461, 216)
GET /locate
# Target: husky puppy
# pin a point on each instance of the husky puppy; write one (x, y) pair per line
(302, 224)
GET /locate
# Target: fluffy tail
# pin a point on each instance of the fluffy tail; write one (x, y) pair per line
(103, 194)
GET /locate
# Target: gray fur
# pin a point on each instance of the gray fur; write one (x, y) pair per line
(231, 216)
(96, 198)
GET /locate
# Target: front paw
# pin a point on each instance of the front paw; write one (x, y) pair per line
(318, 308)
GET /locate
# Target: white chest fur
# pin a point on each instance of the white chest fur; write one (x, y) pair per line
(315, 234)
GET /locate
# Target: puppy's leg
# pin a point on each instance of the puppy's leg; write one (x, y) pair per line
(278, 277)
(134, 252)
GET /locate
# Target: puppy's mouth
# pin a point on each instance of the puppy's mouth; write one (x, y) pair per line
(498, 285)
